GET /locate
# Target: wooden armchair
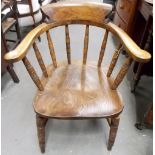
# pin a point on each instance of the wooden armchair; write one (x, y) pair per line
(75, 90)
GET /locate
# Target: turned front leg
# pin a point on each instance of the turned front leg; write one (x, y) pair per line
(113, 132)
(41, 123)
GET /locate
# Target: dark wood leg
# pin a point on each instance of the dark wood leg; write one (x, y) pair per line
(17, 23)
(147, 120)
(113, 131)
(39, 38)
(12, 74)
(41, 123)
(136, 78)
(18, 31)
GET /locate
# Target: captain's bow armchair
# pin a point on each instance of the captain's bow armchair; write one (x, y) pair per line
(77, 90)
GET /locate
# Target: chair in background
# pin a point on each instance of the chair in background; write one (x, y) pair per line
(9, 20)
(29, 12)
(77, 90)
(7, 66)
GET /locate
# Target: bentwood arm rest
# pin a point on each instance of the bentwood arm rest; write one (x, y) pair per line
(21, 50)
(132, 48)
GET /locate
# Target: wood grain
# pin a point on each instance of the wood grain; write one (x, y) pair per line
(33, 74)
(86, 41)
(103, 46)
(77, 11)
(130, 46)
(40, 59)
(114, 60)
(68, 49)
(21, 50)
(77, 91)
(51, 48)
(121, 73)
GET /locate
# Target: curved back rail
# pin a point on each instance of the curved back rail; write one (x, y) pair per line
(78, 13)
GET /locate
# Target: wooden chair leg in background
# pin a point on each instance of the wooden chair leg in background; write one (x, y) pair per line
(41, 123)
(136, 78)
(12, 73)
(18, 32)
(113, 131)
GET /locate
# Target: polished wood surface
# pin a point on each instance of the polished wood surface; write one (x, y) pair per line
(92, 11)
(132, 48)
(77, 91)
(21, 50)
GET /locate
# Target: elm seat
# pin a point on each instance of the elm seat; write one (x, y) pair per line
(77, 90)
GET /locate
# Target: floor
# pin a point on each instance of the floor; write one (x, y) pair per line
(79, 137)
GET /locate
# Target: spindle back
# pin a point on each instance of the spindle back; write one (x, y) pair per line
(65, 14)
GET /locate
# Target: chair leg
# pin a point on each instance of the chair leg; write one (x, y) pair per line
(41, 123)
(113, 131)
(12, 74)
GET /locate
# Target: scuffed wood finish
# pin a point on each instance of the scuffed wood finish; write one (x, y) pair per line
(86, 41)
(113, 131)
(103, 46)
(41, 123)
(68, 44)
(40, 60)
(51, 48)
(122, 73)
(114, 60)
(75, 11)
(33, 73)
(77, 91)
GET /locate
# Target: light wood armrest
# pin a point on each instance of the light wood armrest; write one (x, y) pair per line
(131, 47)
(21, 50)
